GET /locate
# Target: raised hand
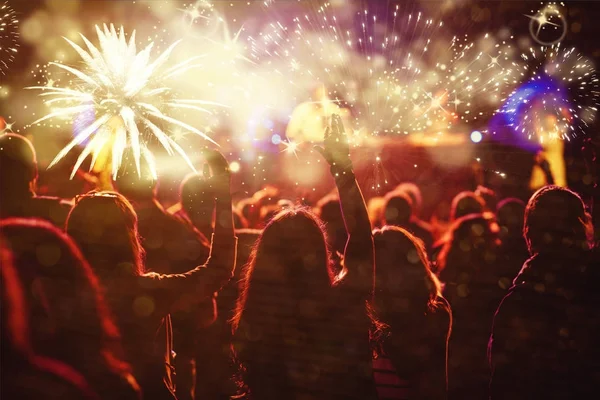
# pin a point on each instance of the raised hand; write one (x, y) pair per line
(216, 172)
(336, 150)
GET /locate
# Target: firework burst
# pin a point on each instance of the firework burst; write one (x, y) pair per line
(560, 98)
(9, 34)
(126, 94)
(394, 70)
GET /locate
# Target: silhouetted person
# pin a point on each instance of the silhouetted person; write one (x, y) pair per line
(467, 267)
(513, 249)
(172, 246)
(466, 203)
(399, 212)
(412, 319)
(25, 374)
(69, 319)
(300, 331)
(544, 343)
(104, 225)
(18, 176)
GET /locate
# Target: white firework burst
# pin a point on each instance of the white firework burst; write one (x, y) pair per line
(127, 93)
(9, 33)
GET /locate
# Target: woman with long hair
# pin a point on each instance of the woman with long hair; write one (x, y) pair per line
(68, 318)
(104, 225)
(302, 331)
(412, 320)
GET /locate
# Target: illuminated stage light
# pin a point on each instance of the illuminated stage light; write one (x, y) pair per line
(476, 136)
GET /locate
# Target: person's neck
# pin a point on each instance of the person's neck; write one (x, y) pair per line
(14, 196)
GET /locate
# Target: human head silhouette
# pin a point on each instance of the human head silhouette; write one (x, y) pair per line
(471, 247)
(398, 209)
(413, 191)
(104, 225)
(66, 306)
(404, 281)
(18, 166)
(510, 214)
(556, 221)
(466, 203)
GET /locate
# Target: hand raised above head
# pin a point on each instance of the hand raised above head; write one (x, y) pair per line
(216, 172)
(336, 149)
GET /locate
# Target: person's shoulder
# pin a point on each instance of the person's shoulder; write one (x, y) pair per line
(54, 209)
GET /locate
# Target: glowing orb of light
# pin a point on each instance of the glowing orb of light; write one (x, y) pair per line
(234, 167)
(476, 136)
(276, 139)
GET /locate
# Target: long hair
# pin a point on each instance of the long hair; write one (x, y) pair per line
(408, 313)
(555, 220)
(404, 282)
(67, 311)
(403, 270)
(104, 225)
(283, 298)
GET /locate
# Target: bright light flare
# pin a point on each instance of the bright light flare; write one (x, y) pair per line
(129, 97)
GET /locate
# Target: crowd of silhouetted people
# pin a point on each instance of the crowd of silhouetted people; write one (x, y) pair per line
(110, 295)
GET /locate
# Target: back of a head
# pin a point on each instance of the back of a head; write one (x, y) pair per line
(137, 187)
(290, 262)
(404, 281)
(510, 214)
(471, 248)
(398, 209)
(555, 221)
(18, 165)
(466, 203)
(67, 309)
(104, 226)
(413, 191)
(284, 296)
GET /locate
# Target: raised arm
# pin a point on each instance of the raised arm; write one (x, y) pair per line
(359, 254)
(204, 280)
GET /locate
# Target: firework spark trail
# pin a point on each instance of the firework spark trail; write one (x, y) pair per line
(560, 98)
(399, 72)
(9, 35)
(129, 95)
